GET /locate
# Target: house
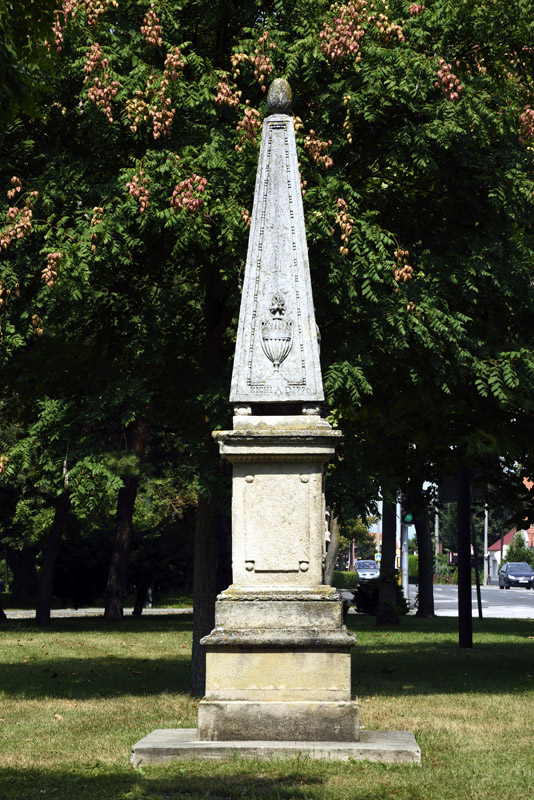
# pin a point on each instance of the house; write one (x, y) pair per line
(497, 551)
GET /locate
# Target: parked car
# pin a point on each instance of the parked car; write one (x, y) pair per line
(367, 570)
(516, 573)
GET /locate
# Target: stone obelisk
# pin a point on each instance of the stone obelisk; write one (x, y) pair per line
(278, 659)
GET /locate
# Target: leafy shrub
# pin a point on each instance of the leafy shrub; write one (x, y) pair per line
(367, 599)
(345, 580)
(473, 579)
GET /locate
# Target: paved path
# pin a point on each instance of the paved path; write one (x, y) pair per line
(58, 613)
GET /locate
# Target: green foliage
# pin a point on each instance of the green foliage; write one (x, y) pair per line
(357, 530)
(120, 304)
(345, 580)
(473, 577)
(518, 550)
(413, 569)
(366, 600)
(442, 569)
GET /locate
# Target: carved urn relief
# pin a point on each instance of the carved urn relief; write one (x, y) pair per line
(277, 333)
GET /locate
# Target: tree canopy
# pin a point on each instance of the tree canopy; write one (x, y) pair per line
(129, 176)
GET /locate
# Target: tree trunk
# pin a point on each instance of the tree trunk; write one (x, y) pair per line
(465, 610)
(136, 436)
(118, 570)
(22, 565)
(387, 590)
(48, 566)
(204, 588)
(331, 553)
(140, 598)
(425, 606)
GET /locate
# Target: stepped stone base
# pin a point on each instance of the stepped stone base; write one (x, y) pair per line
(161, 746)
(277, 721)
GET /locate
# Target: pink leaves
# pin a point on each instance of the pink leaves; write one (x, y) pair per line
(17, 186)
(526, 121)
(188, 194)
(317, 148)
(151, 28)
(174, 64)
(342, 38)
(18, 220)
(225, 95)
(248, 127)
(138, 188)
(346, 225)
(103, 90)
(448, 82)
(49, 273)
(261, 62)
(402, 271)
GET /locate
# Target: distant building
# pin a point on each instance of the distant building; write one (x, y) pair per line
(497, 551)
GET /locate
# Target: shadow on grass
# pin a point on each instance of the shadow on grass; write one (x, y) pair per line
(422, 656)
(179, 781)
(153, 623)
(34, 673)
(86, 678)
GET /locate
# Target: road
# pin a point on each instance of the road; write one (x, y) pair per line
(515, 603)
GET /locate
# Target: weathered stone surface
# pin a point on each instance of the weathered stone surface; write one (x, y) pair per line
(294, 638)
(164, 745)
(318, 674)
(279, 96)
(295, 613)
(277, 348)
(283, 423)
(278, 720)
(277, 498)
(282, 593)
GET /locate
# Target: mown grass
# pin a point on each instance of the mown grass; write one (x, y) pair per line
(75, 698)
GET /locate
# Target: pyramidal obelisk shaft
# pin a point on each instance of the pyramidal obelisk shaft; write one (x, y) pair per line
(277, 349)
(278, 659)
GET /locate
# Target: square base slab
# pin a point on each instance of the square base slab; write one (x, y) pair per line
(160, 746)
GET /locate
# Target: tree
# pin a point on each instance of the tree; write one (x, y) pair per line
(518, 550)
(125, 228)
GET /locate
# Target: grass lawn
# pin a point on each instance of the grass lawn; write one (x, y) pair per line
(75, 698)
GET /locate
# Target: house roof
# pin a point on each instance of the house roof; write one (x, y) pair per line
(502, 541)
(508, 538)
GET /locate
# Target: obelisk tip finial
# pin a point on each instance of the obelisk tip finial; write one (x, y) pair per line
(279, 96)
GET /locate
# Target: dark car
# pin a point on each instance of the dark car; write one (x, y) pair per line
(516, 573)
(367, 570)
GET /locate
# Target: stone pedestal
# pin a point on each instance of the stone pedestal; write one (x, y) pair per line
(278, 659)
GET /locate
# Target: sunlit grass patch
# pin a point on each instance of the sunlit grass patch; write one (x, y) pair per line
(75, 698)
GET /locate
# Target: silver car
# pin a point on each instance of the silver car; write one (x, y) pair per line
(367, 570)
